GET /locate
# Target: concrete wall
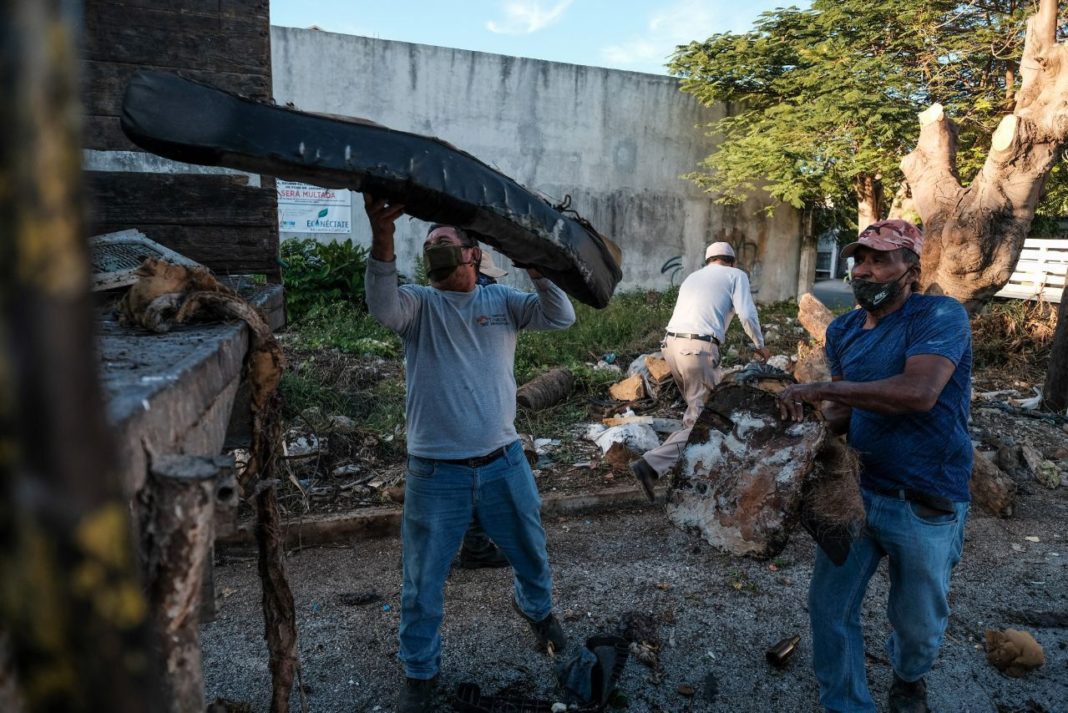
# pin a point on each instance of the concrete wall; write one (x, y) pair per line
(616, 142)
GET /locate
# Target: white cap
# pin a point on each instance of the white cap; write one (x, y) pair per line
(487, 266)
(720, 249)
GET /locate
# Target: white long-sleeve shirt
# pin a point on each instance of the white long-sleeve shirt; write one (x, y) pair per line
(709, 298)
(459, 356)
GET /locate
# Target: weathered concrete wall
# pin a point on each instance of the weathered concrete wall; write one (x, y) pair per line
(616, 142)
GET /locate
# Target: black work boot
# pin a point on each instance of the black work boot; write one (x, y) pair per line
(908, 697)
(417, 696)
(550, 636)
(645, 476)
(478, 551)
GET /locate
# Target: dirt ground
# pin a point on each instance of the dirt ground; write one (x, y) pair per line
(716, 614)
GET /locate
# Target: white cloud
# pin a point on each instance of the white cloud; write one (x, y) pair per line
(680, 23)
(522, 17)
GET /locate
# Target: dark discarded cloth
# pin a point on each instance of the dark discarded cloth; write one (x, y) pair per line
(590, 675)
(576, 676)
(588, 678)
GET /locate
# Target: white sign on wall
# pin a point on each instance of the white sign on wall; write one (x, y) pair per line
(304, 208)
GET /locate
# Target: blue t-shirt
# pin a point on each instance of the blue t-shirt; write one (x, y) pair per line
(930, 452)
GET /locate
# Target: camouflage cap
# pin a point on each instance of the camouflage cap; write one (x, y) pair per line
(888, 235)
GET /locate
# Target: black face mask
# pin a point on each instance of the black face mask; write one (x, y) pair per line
(442, 261)
(872, 295)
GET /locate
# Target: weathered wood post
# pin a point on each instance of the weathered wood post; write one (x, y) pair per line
(70, 596)
(177, 513)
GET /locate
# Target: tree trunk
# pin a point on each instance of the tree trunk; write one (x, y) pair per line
(545, 390)
(869, 190)
(72, 602)
(1055, 392)
(806, 268)
(974, 234)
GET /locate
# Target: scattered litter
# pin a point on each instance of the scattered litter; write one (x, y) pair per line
(637, 437)
(1031, 538)
(1029, 404)
(779, 654)
(1017, 547)
(300, 445)
(685, 689)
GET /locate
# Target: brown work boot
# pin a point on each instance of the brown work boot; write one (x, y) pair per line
(417, 695)
(906, 697)
(646, 477)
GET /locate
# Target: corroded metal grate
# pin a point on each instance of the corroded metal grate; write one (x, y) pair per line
(116, 256)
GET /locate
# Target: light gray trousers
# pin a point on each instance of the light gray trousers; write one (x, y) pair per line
(695, 366)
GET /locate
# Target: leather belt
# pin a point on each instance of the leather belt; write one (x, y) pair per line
(701, 337)
(935, 502)
(478, 461)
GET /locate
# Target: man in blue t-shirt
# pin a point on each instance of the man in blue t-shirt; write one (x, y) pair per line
(901, 386)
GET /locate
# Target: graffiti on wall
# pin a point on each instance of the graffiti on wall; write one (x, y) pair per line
(746, 255)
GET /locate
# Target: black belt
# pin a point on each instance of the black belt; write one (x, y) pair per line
(935, 502)
(478, 461)
(701, 337)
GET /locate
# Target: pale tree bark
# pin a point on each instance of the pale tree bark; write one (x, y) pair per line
(975, 233)
(71, 601)
(806, 268)
(869, 191)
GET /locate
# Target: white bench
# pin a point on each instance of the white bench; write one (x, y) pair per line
(1040, 271)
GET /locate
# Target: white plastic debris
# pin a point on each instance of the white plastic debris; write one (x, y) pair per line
(635, 436)
(780, 361)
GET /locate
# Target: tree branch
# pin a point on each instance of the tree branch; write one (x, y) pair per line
(1041, 38)
(931, 168)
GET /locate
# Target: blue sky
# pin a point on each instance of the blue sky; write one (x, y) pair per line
(637, 35)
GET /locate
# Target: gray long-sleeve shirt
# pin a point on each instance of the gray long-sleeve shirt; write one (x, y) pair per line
(709, 298)
(459, 353)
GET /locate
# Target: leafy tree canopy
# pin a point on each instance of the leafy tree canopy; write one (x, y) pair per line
(821, 98)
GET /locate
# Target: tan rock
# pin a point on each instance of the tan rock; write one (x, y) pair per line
(1013, 652)
(991, 488)
(630, 389)
(659, 370)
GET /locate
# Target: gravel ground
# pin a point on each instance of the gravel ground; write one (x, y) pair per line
(716, 614)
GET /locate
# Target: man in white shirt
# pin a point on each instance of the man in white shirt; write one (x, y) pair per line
(708, 300)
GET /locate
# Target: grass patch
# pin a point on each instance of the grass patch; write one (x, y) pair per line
(346, 327)
(632, 323)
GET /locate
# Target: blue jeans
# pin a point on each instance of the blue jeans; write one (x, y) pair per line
(440, 500)
(921, 552)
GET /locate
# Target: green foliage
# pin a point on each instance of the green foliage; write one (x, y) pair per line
(819, 99)
(317, 273)
(631, 323)
(346, 327)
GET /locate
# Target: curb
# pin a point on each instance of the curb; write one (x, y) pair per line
(370, 523)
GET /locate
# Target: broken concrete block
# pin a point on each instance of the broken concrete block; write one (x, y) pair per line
(991, 488)
(740, 477)
(659, 371)
(630, 389)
